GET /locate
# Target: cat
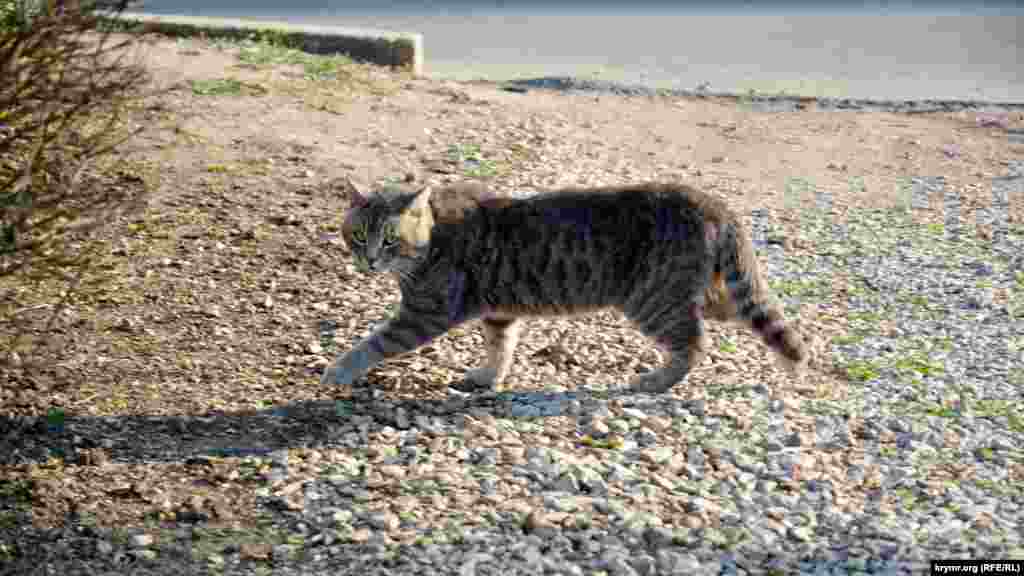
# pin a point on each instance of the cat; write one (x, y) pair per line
(666, 254)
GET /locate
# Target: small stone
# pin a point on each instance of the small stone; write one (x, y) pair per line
(488, 486)
(662, 481)
(599, 428)
(647, 437)
(512, 453)
(619, 426)
(566, 483)
(525, 411)
(618, 473)
(255, 551)
(695, 456)
(634, 413)
(659, 455)
(538, 523)
(93, 457)
(617, 563)
(693, 473)
(658, 537)
(392, 471)
(384, 521)
(278, 458)
(645, 565)
(486, 456)
(276, 476)
(401, 419)
(291, 488)
(801, 533)
(360, 535)
(552, 502)
(675, 563)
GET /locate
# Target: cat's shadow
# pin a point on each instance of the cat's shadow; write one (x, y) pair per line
(319, 424)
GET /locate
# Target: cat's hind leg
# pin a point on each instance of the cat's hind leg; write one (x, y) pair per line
(501, 336)
(681, 333)
(406, 331)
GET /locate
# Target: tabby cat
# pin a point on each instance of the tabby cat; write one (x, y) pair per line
(666, 255)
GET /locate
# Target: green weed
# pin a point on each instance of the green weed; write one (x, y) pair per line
(864, 317)
(862, 371)
(315, 67)
(16, 492)
(919, 364)
(727, 346)
(55, 419)
(797, 288)
(226, 87)
(847, 339)
(471, 157)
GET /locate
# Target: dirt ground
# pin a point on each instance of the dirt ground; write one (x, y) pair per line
(212, 297)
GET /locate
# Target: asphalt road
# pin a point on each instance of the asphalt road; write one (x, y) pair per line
(941, 52)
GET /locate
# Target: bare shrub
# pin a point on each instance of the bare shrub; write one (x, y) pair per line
(67, 84)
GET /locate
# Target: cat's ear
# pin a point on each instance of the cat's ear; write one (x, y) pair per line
(356, 192)
(422, 199)
(417, 221)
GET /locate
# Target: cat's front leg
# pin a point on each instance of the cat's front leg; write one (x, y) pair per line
(353, 365)
(408, 330)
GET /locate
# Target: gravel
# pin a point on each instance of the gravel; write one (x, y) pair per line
(929, 351)
(767, 102)
(925, 452)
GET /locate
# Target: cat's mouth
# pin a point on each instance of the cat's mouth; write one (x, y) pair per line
(381, 266)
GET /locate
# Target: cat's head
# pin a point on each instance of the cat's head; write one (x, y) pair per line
(388, 229)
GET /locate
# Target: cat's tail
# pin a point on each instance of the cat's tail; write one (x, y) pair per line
(740, 292)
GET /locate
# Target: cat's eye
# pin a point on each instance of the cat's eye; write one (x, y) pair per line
(390, 233)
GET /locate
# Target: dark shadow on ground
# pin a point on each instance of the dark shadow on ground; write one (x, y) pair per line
(308, 424)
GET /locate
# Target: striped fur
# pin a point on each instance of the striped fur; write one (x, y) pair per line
(666, 255)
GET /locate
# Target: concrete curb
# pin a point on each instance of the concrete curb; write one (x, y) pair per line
(400, 49)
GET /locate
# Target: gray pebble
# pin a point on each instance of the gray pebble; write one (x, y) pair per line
(140, 540)
(646, 437)
(645, 565)
(670, 562)
(658, 537)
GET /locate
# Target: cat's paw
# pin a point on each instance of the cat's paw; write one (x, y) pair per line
(336, 377)
(480, 379)
(650, 383)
